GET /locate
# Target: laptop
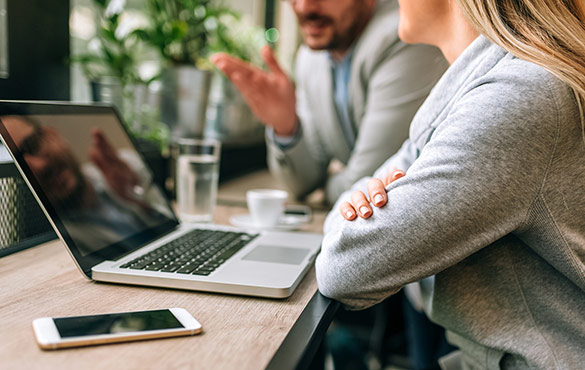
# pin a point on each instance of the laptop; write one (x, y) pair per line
(96, 189)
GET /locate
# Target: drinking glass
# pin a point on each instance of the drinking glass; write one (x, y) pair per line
(197, 177)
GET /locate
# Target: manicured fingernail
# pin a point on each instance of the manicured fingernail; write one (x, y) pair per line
(397, 174)
(378, 198)
(349, 214)
(364, 210)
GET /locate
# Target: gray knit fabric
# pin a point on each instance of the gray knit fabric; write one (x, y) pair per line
(493, 204)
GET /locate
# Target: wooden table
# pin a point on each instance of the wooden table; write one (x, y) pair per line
(238, 332)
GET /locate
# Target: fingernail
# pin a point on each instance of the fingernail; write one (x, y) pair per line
(397, 174)
(364, 210)
(349, 214)
(378, 198)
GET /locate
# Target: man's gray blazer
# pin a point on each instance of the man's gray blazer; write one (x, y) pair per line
(389, 80)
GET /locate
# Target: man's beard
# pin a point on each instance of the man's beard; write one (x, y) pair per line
(338, 41)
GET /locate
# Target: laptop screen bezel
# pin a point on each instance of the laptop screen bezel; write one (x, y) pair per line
(111, 252)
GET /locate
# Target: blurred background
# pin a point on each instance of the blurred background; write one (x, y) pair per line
(148, 58)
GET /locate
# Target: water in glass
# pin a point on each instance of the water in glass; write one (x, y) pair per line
(197, 186)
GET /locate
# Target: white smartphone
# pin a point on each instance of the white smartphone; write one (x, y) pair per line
(76, 331)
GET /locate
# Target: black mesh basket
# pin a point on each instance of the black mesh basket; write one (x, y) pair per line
(22, 222)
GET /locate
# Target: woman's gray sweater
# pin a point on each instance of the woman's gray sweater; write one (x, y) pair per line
(493, 204)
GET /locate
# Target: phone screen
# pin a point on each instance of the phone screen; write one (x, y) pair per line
(77, 326)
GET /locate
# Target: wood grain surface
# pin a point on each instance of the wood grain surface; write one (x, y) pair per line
(238, 332)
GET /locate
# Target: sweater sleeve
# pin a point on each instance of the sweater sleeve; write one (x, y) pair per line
(471, 185)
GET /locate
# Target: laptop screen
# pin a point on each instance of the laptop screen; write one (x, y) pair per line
(95, 186)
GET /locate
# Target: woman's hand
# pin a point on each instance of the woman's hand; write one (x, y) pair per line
(360, 203)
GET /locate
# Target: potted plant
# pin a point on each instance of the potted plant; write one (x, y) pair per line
(181, 30)
(112, 52)
(228, 116)
(112, 63)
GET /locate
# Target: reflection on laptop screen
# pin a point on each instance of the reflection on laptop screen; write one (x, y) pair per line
(94, 179)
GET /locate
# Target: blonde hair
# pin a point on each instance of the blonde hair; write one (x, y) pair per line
(550, 33)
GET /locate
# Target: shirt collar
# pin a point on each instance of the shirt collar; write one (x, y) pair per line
(345, 61)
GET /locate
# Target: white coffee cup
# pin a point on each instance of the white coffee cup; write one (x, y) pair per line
(266, 206)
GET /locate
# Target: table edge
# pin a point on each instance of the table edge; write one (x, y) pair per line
(301, 343)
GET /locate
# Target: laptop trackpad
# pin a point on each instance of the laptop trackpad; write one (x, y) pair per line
(263, 253)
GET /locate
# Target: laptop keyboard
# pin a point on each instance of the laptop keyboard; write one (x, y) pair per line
(199, 252)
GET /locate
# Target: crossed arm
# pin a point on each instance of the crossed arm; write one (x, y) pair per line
(470, 186)
(377, 196)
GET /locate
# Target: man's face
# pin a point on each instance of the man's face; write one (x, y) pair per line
(49, 158)
(332, 24)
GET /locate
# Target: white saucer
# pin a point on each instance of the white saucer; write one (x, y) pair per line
(286, 223)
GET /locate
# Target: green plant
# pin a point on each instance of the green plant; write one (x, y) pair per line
(181, 29)
(115, 52)
(238, 38)
(114, 57)
(147, 125)
(178, 31)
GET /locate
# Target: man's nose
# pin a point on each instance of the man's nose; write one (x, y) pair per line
(305, 6)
